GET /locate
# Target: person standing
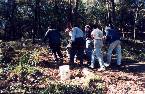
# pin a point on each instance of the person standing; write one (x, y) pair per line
(68, 31)
(113, 39)
(89, 44)
(97, 36)
(77, 44)
(54, 37)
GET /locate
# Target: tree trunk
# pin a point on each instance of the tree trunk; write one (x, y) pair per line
(11, 19)
(135, 21)
(57, 14)
(70, 12)
(113, 12)
(76, 12)
(36, 20)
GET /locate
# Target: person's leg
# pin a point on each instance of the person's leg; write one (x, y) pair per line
(99, 57)
(109, 52)
(80, 49)
(93, 56)
(89, 55)
(55, 54)
(52, 47)
(59, 53)
(98, 52)
(81, 55)
(73, 52)
(118, 52)
(93, 59)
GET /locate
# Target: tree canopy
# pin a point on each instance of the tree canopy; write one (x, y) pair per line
(21, 17)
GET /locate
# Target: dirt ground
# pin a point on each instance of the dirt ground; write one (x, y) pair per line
(127, 79)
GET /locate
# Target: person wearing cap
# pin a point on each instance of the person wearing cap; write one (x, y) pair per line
(97, 36)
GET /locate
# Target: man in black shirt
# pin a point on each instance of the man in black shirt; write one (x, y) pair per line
(54, 37)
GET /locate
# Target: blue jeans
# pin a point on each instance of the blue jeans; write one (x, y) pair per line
(114, 45)
(97, 53)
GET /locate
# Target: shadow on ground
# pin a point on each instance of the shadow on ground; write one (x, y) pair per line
(50, 64)
(129, 66)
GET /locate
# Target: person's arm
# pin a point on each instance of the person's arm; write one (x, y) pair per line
(46, 36)
(108, 35)
(67, 30)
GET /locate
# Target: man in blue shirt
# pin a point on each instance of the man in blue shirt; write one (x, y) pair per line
(113, 39)
(77, 45)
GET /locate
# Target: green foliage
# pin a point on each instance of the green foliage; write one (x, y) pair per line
(24, 12)
(70, 89)
(96, 13)
(28, 15)
(24, 59)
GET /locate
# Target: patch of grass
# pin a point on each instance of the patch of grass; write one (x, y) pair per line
(70, 89)
(94, 86)
(18, 69)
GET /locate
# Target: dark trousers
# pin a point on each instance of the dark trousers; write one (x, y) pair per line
(89, 50)
(56, 50)
(77, 48)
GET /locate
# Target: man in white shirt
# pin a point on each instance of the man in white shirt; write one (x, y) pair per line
(97, 35)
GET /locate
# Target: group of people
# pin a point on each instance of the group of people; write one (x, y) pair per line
(89, 42)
